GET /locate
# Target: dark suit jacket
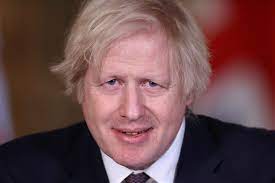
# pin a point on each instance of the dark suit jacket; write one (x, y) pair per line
(212, 152)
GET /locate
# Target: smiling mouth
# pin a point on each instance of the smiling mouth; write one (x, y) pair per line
(135, 136)
(133, 133)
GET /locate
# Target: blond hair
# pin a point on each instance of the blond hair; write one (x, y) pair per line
(101, 22)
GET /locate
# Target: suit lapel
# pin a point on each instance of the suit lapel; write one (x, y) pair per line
(84, 163)
(200, 158)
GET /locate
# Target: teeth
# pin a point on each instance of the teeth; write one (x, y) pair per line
(131, 133)
(135, 133)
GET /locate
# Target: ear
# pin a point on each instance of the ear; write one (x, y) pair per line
(189, 100)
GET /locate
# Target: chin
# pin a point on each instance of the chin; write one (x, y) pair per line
(134, 163)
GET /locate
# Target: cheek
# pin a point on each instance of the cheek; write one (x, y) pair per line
(98, 113)
(166, 108)
(99, 108)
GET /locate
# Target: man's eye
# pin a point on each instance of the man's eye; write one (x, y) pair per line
(111, 85)
(111, 82)
(152, 84)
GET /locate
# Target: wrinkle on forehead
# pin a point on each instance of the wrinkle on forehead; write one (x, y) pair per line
(142, 44)
(143, 51)
(153, 42)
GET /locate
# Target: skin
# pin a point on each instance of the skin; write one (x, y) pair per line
(134, 107)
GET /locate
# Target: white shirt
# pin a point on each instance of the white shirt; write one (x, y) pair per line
(162, 171)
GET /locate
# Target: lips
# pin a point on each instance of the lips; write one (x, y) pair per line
(134, 132)
(133, 136)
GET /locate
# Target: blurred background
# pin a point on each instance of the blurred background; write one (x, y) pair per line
(240, 36)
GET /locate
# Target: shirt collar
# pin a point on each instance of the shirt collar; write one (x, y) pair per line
(162, 171)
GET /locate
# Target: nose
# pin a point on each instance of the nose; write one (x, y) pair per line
(132, 106)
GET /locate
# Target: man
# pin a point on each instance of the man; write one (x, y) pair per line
(135, 67)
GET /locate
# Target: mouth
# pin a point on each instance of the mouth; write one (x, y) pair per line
(134, 132)
(133, 136)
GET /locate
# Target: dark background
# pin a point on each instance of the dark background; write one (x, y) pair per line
(34, 33)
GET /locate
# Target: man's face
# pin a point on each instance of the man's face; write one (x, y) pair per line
(134, 107)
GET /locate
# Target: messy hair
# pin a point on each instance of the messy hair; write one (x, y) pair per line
(102, 22)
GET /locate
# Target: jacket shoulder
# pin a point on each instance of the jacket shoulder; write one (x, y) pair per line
(60, 139)
(245, 149)
(40, 156)
(225, 132)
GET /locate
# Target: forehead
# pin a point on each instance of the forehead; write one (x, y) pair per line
(146, 50)
(141, 42)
